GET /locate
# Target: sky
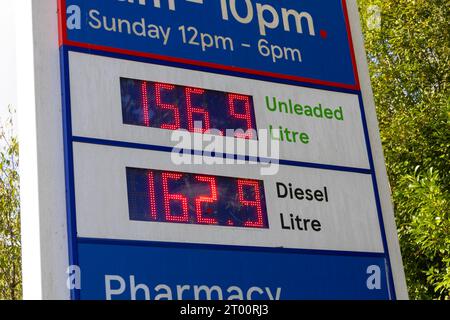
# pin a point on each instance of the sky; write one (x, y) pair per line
(7, 58)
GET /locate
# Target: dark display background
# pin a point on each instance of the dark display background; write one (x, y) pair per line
(234, 206)
(140, 106)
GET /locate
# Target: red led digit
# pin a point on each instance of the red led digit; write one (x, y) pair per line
(151, 195)
(206, 199)
(191, 110)
(177, 197)
(256, 203)
(247, 117)
(168, 197)
(144, 97)
(176, 113)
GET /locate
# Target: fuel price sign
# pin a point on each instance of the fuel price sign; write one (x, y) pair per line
(144, 188)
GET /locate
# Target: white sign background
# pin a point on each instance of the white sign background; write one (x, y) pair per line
(97, 110)
(349, 220)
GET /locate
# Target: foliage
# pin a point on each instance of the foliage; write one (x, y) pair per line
(408, 57)
(424, 210)
(10, 244)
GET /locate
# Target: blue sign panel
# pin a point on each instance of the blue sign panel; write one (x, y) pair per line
(179, 272)
(304, 40)
(306, 43)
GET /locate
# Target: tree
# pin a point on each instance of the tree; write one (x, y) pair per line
(10, 244)
(408, 53)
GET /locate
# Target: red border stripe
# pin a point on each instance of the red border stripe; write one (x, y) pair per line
(62, 18)
(350, 41)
